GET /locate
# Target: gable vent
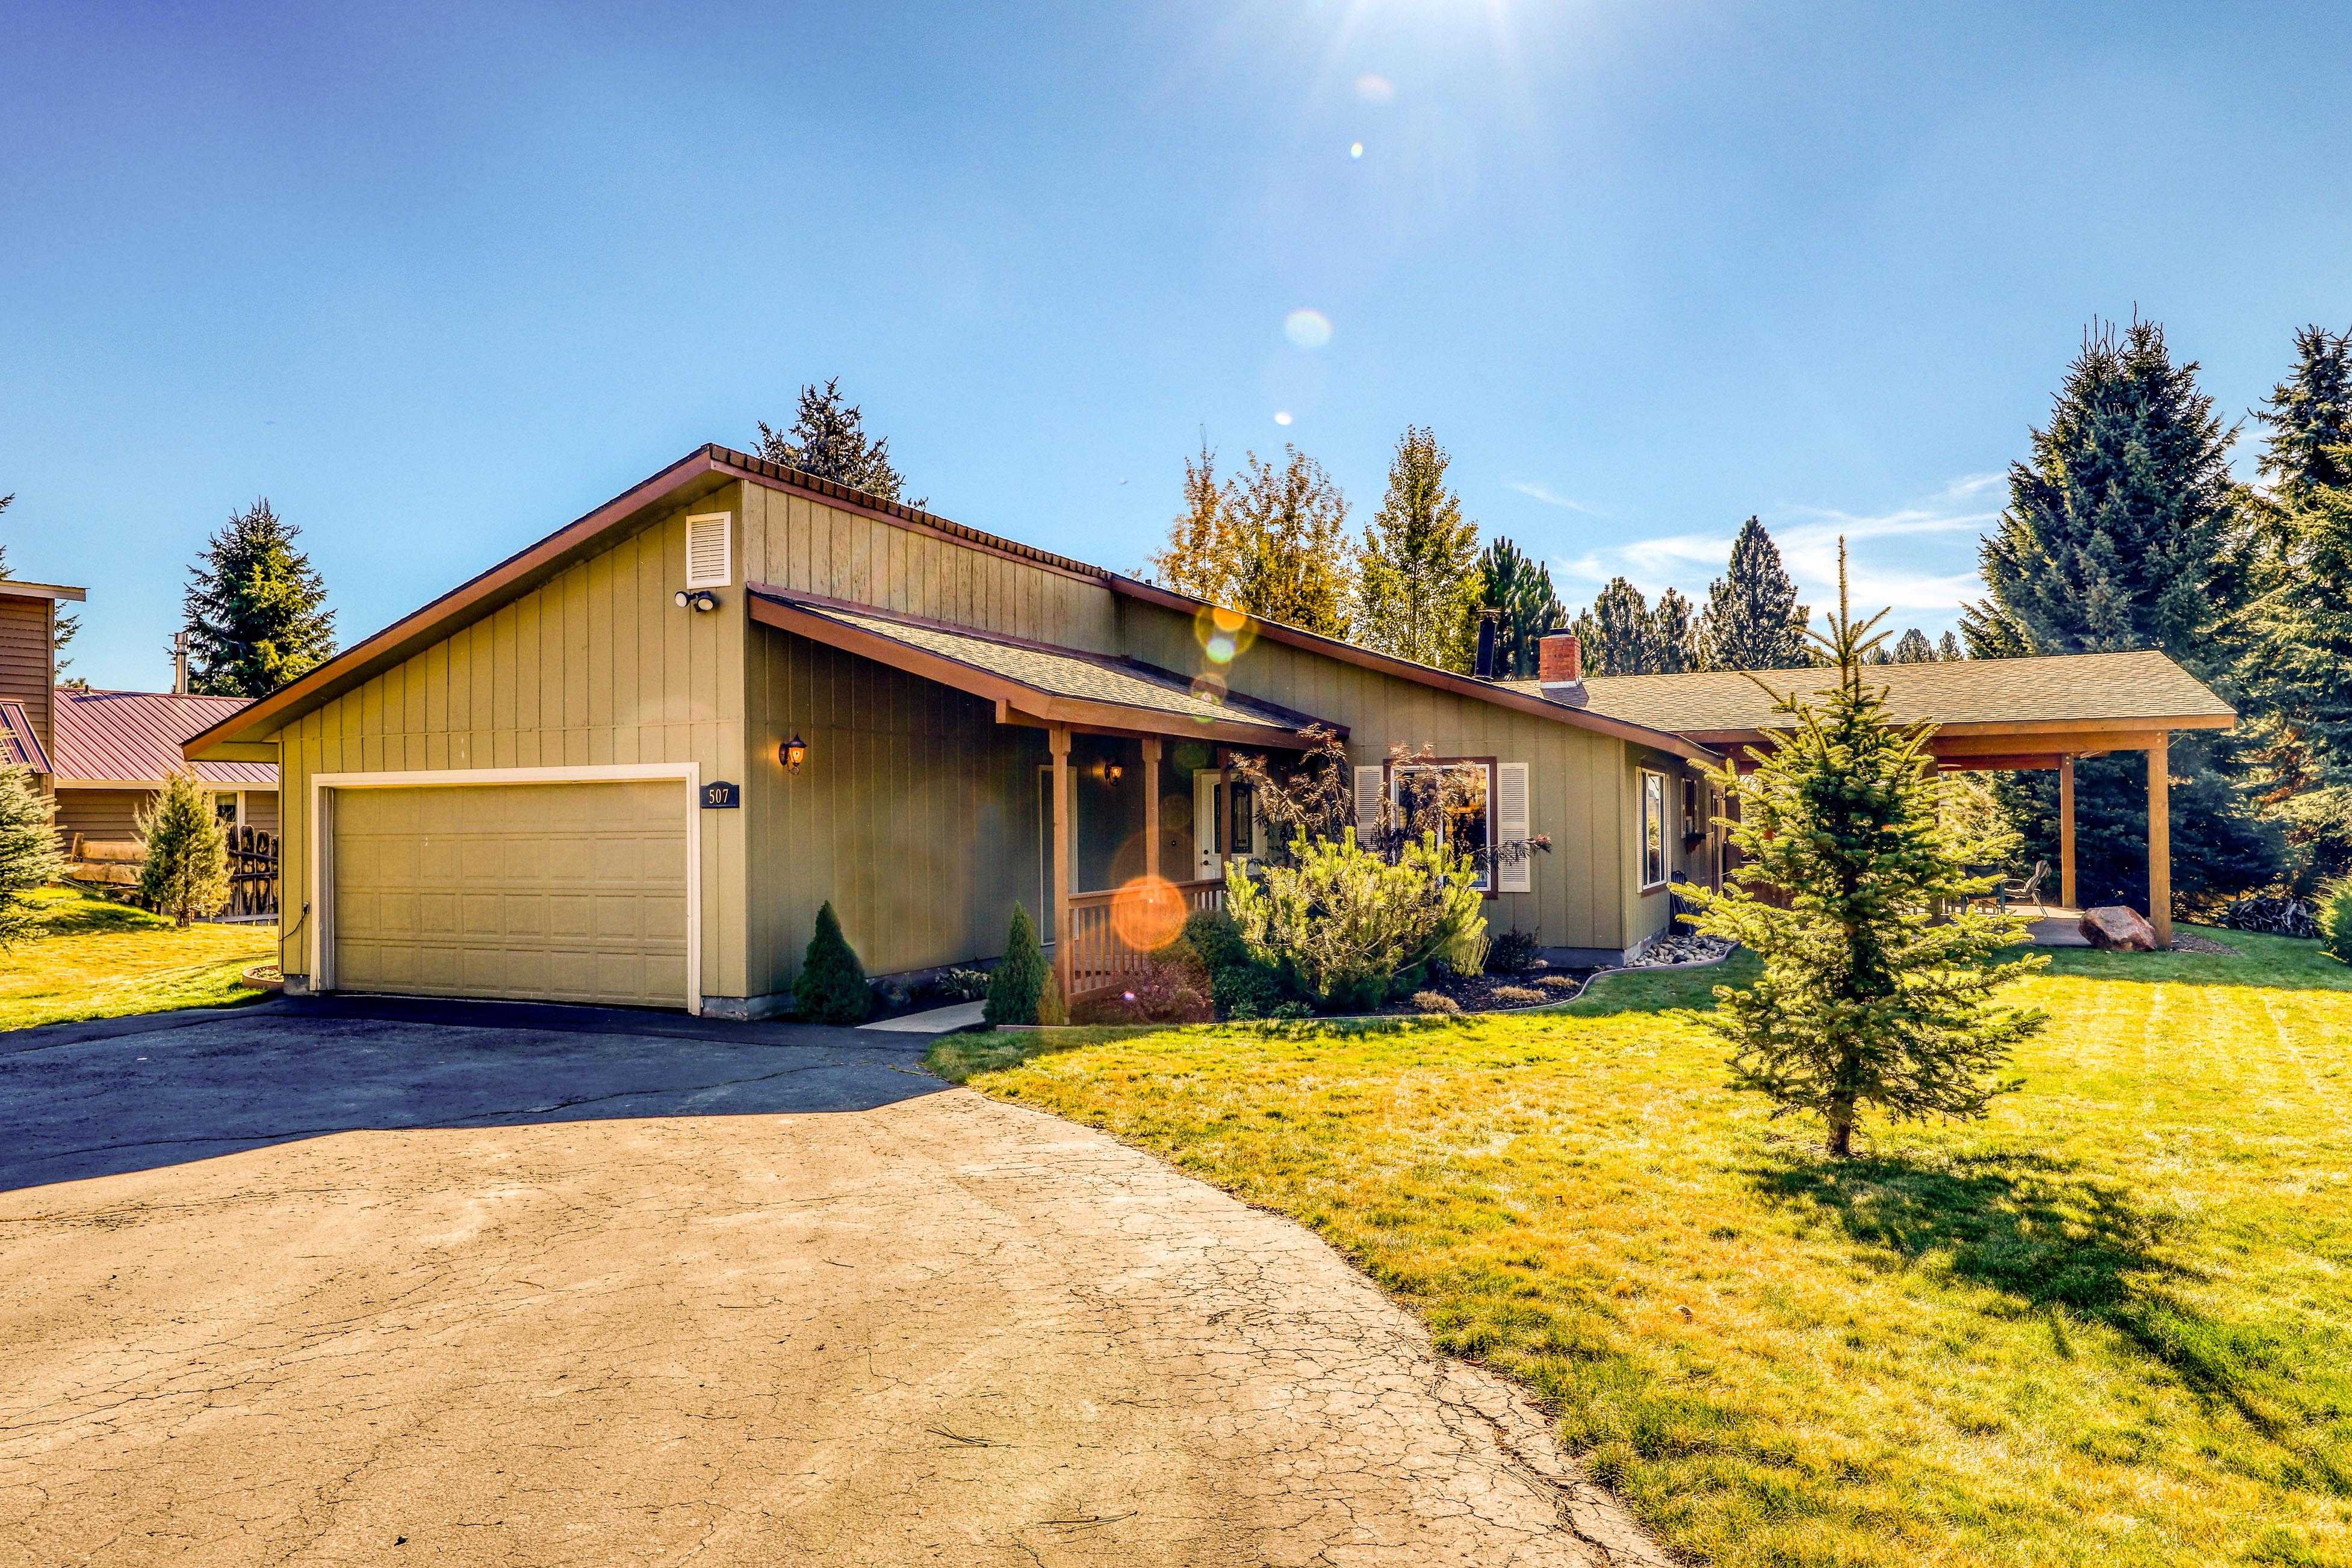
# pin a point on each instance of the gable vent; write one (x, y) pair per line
(708, 561)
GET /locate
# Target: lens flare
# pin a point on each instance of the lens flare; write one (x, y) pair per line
(1375, 89)
(1209, 686)
(1224, 635)
(1307, 329)
(1148, 912)
(1355, 150)
(1281, 416)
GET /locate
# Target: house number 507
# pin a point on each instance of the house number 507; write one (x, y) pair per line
(722, 796)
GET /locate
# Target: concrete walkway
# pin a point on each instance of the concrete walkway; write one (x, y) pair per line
(655, 1310)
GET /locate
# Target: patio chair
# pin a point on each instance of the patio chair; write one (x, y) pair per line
(2029, 891)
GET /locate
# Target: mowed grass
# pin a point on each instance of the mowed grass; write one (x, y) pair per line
(94, 959)
(2112, 1325)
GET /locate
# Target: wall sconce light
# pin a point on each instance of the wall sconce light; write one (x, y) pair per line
(792, 754)
(698, 599)
(1113, 772)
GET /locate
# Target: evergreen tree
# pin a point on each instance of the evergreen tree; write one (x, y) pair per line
(1619, 633)
(1948, 647)
(1201, 551)
(185, 875)
(1675, 637)
(1289, 534)
(1522, 591)
(2309, 416)
(1417, 570)
(29, 856)
(1018, 982)
(62, 628)
(828, 439)
(2124, 531)
(831, 986)
(1752, 620)
(1915, 648)
(2300, 675)
(256, 611)
(1878, 976)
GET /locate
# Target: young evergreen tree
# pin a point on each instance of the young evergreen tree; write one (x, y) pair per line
(828, 439)
(1913, 648)
(2124, 531)
(62, 628)
(1948, 647)
(1675, 635)
(1619, 633)
(1018, 982)
(1878, 978)
(1417, 578)
(185, 875)
(1752, 620)
(1201, 551)
(1289, 529)
(831, 986)
(29, 856)
(1522, 591)
(256, 612)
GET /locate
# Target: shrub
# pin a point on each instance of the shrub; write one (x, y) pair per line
(186, 870)
(1435, 1003)
(28, 850)
(1350, 928)
(1215, 940)
(1560, 984)
(963, 985)
(832, 984)
(1517, 996)
(1053, 1008)
(1171, 987)
(1513, 953)
(1240, 986)
(1019, 982)
(1293, 1008)
(2336, 921)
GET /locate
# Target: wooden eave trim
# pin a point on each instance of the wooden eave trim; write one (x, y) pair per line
(1421, 674)
(434, 620)
(2105, 731)
(16, 588)
(1014, 694)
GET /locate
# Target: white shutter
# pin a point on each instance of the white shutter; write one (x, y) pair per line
(1369, 782)
(709, 555)
(1516, 874)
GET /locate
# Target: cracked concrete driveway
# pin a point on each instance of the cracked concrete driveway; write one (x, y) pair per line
(375, 1282)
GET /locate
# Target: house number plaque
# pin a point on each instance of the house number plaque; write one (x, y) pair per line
(722, 796)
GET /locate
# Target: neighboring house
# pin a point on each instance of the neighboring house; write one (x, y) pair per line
(29, 674)
(629, 763)
(113, 750)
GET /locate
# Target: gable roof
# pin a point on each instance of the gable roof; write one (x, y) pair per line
(134, 738)
(712, 466)
(20, 745)
(2143, 691)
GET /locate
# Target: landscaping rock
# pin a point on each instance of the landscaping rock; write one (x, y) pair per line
(2118, 930)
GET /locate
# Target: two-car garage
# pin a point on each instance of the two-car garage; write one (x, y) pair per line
(576, 888)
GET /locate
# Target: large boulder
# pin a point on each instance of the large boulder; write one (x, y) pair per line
(2118, 930)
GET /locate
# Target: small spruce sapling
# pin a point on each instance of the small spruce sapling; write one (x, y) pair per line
(28, 852)
(1019, 979)
(832, 984)
(186, 871)
(1879, 973)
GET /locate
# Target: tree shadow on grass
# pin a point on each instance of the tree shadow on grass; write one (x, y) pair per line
(2082, 1251)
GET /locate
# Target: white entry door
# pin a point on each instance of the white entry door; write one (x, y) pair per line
(1208, 826)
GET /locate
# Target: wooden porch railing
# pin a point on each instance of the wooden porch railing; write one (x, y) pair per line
(1101, 956)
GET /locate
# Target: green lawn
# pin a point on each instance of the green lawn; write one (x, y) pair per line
(2112, 1325)
(95, 959)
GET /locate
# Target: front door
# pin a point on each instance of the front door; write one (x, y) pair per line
(1208, 826)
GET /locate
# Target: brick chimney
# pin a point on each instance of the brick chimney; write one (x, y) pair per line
(1561, 660)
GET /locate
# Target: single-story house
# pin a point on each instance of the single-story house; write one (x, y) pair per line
(113, 750)
(629, 763)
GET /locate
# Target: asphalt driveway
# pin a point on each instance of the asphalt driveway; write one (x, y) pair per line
(383, 1281)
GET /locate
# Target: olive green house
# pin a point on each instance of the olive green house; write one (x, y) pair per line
(629, 763)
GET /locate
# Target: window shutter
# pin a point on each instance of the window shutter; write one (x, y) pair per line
(1369, 781)
(1511, 827)
(709, 560)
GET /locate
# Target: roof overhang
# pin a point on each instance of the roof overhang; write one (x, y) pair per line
(10, 588)
(2025, 745)
(1423, 674)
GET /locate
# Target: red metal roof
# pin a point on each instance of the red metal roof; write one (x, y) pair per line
(134, 737)
(19, 747)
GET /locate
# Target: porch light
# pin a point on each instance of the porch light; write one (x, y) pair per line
(792, 754)
(1113, 772)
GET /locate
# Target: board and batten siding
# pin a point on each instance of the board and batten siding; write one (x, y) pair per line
(1580, 893)
(27, 670)
(595, 666)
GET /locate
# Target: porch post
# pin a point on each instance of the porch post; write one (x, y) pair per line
(2159, 838)
(2066, 832)
(1057, 740)
(1151, 806)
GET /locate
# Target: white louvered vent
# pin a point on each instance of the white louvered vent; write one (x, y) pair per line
(1516, 874)
(709, 559)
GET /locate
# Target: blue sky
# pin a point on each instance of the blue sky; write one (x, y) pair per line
(438, 278)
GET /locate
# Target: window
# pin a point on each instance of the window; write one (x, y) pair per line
(709, 551)
(1464, 814)
(1653, 830)
(1693, 824)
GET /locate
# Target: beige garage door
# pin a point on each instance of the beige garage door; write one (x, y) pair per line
(572, 892)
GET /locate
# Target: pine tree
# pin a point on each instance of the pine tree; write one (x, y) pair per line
(2310, 418)
(62, 628)
(1018, 982)
(1417, 570)
(1752, 620)
(1202, 551)
(2300, 675)
(1914, 648)
(1948, 647)
(1522, 591)
(1618, 634)
(29, 856)
(828, 439)
(1675, 639)
(256, 611)
(831, 986)
(2124, 531)
(1878, 976)
(1289, 534)
(185, 875)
